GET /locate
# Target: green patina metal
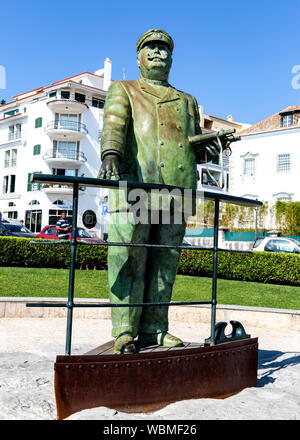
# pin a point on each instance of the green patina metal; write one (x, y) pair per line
(151, 137)
(70, 305)
(218, 333)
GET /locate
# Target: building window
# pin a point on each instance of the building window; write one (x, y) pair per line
(36, 149)
(9, 184)
(283, 196)
(38, 122)
(79, 97)
(33, 186)
(69, 121)
(64, 172)
(283, 163)
(65, 94)
(12, 186)
(97, 103)
(7, 159)
(52, 95)
(287, 120)
(11, 113)
(11, 214)
(13, 162)
(14, 132)
(67, 150)
(5, 184)
(33, 220)
(249, 167)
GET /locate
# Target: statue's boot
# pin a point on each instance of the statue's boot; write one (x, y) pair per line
(165, 339)
(124, 344)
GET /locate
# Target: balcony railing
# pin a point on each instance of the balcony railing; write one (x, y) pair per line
(65, 154)
(12, 136)
(66, 125)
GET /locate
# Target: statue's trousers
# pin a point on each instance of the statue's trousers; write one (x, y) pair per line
(140, 274)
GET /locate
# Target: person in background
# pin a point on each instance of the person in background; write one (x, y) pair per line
(63, 227)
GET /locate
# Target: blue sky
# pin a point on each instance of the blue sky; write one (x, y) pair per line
(234, 56)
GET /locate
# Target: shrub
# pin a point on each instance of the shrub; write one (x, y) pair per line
(260, 266)
(21, 252)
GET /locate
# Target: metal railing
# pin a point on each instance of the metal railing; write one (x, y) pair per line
(12, 136)
(62, 124)
(64, 154)
(102, 183)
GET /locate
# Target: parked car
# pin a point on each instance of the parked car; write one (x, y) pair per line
(276, 244)
(186, 242)
(14, 229)
(50, 232)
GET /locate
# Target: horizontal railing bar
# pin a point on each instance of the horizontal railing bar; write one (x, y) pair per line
(148, 245)
(174, 303)
(105, 183)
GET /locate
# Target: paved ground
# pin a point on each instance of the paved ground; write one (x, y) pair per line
(28, 348)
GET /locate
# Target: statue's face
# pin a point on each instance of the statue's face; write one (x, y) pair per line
(154, 61)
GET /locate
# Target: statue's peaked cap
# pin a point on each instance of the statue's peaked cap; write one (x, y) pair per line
(155, 35)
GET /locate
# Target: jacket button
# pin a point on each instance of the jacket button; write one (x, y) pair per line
(161, 142)
(161, 123)
(180, 146)
(161, 164)
(180, 167)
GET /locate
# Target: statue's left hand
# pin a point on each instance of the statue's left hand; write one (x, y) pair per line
(212, 149)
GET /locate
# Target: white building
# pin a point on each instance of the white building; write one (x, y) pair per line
(265, 164)
(54, 130)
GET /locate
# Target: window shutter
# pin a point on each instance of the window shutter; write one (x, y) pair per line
(40, 184)
(36, 149)
(29, 184)
(38, 122)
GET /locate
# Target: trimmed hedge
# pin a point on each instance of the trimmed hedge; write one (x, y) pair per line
(20, 252)
(260, 266)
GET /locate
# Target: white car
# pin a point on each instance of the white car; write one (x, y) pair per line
(276, 244)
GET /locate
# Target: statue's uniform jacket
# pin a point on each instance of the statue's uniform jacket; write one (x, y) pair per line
(148, 128)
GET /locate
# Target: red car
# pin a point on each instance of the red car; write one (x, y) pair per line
(50, 232)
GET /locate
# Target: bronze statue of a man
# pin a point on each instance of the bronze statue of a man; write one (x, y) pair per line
(145, 139)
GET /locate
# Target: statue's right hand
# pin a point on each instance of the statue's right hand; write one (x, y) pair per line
(110, 167)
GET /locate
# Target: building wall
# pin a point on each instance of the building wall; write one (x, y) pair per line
(28, 162)
(266, 183)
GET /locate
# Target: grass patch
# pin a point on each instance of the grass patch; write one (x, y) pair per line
(40, 282)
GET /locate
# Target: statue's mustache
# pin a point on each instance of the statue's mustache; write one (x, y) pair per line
(158, 57)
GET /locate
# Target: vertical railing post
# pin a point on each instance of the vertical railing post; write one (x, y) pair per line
(215, 270)
(70, 303)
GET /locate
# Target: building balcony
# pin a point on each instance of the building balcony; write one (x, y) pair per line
(13, 138)
(67, 106)
(64, 158)
(60, 189)
(66, 130)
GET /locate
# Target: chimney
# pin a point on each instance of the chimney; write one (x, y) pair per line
(107, 74)
(201, 114)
